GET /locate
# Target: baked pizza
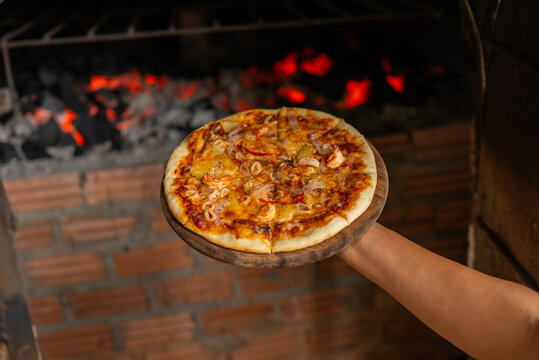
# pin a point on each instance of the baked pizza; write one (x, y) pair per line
(268, 181)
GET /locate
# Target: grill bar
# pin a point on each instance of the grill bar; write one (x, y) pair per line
(389, 10)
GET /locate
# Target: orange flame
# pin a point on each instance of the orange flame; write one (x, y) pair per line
(319, 65)
(356, 92)
(293, 95)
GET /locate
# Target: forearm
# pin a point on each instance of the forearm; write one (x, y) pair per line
(485, 316)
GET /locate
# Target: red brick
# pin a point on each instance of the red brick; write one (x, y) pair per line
(254, 281)
(282, 345)
(195, 289)
(108, 301)
(65, 269)
(336, 334)
(78, 341)
(442, 135)
(317, 305)
(333, 267)
(450, 180)
(45, 310)
(157, 330)
(188, 351)
(237, 319)
(33, 234)
(159, 223)
(46, 193)
(393, 145)
(133, 183)
(151, 259)
(453, 215)
(92, 228)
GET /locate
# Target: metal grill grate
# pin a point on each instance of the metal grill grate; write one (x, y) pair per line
(142, 22)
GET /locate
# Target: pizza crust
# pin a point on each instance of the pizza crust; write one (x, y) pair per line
(310, 238)
(259, 245)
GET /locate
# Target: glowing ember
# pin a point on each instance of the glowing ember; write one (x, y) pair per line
(396, 82)
(293, 95)
(98, 82)
(79, 139)
(287, 66)
(386, 65)
(185, 92)
(319, 65)
(110, 114)
(134, 82)
(356, 92)
(93, 110)
(150, 79)
(65, 120)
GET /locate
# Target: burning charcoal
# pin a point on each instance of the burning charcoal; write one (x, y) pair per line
(50, 134)
(140, 102)
(34, 150)
(95, 130)
(176, 115)
(202, 117)
(52, 103)
(7, 152)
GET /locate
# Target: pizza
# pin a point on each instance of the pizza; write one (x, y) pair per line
(270, 180)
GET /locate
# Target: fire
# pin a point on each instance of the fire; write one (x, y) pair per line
(319, 65)
(396, 82)
(293, 95)
(356, 92)
(288, 66)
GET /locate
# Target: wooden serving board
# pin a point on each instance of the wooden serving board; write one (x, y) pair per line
(312, 254)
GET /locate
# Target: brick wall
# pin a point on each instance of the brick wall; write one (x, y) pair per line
(107, 279)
